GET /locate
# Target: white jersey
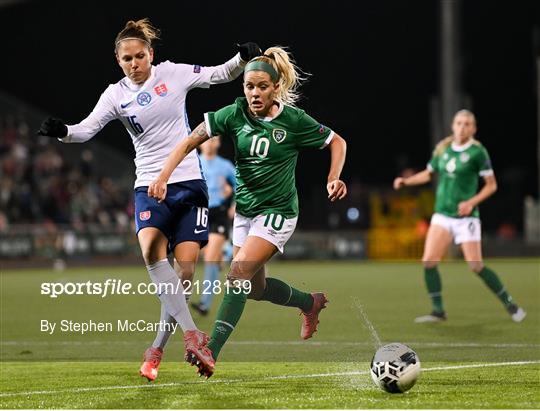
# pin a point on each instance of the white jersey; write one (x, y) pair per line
(154, 114)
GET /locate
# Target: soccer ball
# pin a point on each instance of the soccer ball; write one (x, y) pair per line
(395, 368)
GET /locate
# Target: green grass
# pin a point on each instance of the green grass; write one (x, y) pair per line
(466, 361)
(265, 385)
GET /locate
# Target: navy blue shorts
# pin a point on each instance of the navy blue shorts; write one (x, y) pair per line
(182, 216)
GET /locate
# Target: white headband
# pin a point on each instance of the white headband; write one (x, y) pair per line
(132, 38)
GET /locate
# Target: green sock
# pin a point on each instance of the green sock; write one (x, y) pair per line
(280, 293)
(494, 284)
(434, 287)
(228, 315)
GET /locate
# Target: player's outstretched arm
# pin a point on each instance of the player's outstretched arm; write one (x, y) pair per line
(53, 127)
(419, 178)
(231, 69)
(158, 187)
(103, 112)
(338, 149)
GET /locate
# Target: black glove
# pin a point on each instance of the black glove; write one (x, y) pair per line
(248, 50)
(53, 127)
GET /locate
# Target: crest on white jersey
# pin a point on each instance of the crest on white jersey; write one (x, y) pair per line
(161, 90)
(144, 98)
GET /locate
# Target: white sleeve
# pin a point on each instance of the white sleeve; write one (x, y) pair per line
(196, 76)
(103, 112)
(228, 71)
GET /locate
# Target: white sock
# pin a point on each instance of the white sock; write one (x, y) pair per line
(172, 293)
(166, 322)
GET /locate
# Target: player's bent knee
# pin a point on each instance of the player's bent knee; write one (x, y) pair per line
(153, 248)
(476, 266)
(151, 255)
(185, 270)
(244, 270)
(430, 263)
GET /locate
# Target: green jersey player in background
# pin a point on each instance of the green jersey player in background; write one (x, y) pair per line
(268, 132)
(459, 160)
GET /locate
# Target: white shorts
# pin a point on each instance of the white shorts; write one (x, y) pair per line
(274, 228)
(464, 230)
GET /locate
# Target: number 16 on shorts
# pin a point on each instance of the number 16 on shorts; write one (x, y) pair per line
(201, 224)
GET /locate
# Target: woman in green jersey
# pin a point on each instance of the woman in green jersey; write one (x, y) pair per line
(268, 132)
(459, 161)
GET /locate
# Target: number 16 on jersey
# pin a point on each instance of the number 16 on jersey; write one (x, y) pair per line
(135, 127)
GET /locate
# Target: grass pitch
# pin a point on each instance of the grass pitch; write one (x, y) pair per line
(479, 358)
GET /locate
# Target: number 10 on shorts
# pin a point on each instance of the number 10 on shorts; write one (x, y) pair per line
(202, 216)
(275, 221)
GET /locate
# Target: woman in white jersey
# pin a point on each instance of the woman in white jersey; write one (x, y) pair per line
(459, 160)
(150, 102)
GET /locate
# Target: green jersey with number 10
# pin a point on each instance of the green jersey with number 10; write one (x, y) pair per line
(459, 168)
(266, 151)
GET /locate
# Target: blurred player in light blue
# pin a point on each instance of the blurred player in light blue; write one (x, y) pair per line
(221, 181)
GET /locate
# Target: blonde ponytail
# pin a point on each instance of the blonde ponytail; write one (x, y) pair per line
(441, 147)
(290, 76)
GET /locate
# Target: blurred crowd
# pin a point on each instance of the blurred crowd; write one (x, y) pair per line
(41, 185)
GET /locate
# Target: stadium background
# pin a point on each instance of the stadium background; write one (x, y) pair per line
(387, 75)
(380, 79)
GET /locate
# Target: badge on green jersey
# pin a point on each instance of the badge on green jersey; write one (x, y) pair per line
(279, 135)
